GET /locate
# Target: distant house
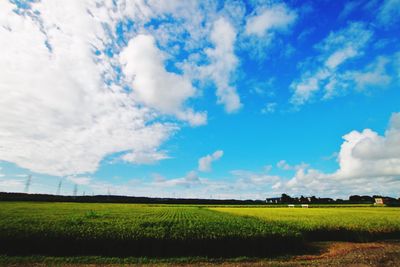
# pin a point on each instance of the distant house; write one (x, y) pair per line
(379, 201)
(273, 200)
(385, 201)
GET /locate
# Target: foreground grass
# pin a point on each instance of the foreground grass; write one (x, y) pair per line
(164, 231)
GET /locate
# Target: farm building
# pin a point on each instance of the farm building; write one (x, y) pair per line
(273, 200)
(379, 201)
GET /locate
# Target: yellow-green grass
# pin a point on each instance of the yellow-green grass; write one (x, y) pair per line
(329, 223)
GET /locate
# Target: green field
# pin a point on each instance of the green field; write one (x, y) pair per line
(178, 230)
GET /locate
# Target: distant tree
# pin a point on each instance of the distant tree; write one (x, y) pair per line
(303, 199)
(355, 198)
(286, 198)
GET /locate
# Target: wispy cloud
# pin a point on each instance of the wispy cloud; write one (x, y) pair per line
(206, 161)
(389, 13)
(335, 50)
(277, 17)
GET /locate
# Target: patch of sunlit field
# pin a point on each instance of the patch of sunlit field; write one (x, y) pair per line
(318, 222)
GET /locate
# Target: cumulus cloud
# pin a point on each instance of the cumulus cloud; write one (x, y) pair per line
(223, 63)
(165, 91)
(368, 154)
(206, 161)
(277, 17)
(368, 164)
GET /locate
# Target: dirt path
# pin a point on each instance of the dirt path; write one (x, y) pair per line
(330, 254)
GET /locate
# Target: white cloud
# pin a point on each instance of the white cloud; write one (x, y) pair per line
(367, 154)
(275, 18)
(335, 50)
(206, 161)
(340, 56)
(165, 91)
(223, 63)
(145, 157)
(368, 164)
(262, 30)
(372, 76)
(57, 114)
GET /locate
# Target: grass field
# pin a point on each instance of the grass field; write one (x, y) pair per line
(165, 230)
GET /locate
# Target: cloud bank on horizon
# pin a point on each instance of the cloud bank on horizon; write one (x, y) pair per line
(96, 89)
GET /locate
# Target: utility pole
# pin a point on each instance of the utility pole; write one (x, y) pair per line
(28, 183)
(59, 187)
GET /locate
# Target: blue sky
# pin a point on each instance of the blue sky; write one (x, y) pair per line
(235, 99)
